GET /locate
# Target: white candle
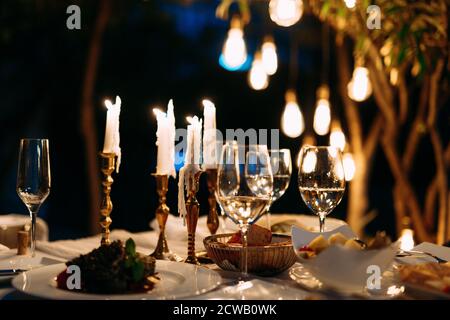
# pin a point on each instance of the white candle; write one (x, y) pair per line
(165, 135)
(194, 140)
(172, 129)
(112, 134)
(209, 134)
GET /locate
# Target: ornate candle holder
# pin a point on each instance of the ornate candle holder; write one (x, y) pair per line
(192, 211)
(162, 212)
(107, 164)
(213, 218)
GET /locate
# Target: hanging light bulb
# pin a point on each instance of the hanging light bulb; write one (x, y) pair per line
(407, 239)
(269, 56)
(359, 88)
(234, 50)
(285, 13)
(349, 166)
(337, 137)
(350, 3)
(322, 114)
(292, 122)
(257, 76)
(308, 140)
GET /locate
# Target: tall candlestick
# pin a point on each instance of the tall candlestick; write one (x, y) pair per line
(209, 135)
(112, 134)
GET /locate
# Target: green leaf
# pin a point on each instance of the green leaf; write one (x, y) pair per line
(130, 248)
(138, 271)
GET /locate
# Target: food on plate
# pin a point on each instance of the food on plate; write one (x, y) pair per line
(319, 244)
(432, 275)
(353, 244)
(381, 240)
(256, 236)
(114, 268)
(337, 238)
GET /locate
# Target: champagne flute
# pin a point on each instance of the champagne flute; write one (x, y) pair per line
(281, 163)
(236, 198)
(33, 179)
(321, 180)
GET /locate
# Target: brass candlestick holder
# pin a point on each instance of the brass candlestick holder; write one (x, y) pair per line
(107, 164)
(192, 212)
(162, 213)
(213, 218)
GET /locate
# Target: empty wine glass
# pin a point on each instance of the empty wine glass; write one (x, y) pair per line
(321, 180)
(33, 179)
(237, 173)
(281, 164)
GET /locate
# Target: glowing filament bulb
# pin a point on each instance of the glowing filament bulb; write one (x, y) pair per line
(350, 3)
(337, 138)
(349, 166)
(269, 56)
(257, 77)
(292, 122)
(309, 162)
(234, 50)
(407, 239)
(322, 117)
(359, 88)
(285, 13)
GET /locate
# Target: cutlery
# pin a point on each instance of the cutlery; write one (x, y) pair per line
(11, 272)
(408, 253)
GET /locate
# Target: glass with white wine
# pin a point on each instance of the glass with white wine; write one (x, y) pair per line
(281, 163)
(321, 180)
(244, 187)
(33, 178)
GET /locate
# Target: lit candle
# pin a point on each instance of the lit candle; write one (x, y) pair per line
(165, 134)
(194, 139)
(209, 134)
(112, 134)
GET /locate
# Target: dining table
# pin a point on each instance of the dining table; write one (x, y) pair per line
(278, 287)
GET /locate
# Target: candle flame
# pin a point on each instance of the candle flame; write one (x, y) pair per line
(158, 112)
(407, 239)
(207, 103)
(189, 119)
(108, 103)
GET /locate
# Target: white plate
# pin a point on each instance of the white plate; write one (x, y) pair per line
(178, 280)
(389, 288)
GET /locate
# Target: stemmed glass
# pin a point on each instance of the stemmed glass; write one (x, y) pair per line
(33, 178)
(244, 185)
(321, 180)
(281, 163)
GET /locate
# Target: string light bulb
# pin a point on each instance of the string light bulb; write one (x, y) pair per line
(349, 166)
(337, 137)
(234, 51)
(269, 56)
(257, 76)
(292, 122)
(359, 88)
(322, 114)
(285, 13)
(350, 4)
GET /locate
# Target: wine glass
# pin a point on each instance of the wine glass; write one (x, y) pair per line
(321, 180)
(33, 178)
(280, 160)
(244, 185)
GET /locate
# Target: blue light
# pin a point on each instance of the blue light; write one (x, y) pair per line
(243, 67)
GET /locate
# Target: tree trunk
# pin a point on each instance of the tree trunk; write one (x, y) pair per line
(88, 127)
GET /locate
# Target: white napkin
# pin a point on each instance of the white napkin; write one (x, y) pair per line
(11, 223)
(3, 248)
(69, 249)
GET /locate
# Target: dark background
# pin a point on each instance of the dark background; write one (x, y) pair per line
(151, 51)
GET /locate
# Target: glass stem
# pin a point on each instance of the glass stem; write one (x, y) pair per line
(244, 231)
(33, 215)
(322, 221)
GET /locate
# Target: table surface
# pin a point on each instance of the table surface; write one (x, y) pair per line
(279, 287)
